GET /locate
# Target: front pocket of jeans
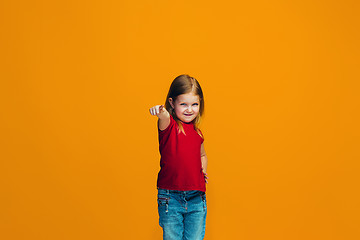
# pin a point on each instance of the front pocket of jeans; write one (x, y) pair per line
(163, 201)
(203, 197)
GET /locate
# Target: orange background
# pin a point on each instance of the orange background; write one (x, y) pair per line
(79, 150)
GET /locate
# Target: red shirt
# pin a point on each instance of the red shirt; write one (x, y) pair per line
(180, 158)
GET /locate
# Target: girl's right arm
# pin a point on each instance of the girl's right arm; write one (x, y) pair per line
(163, 115)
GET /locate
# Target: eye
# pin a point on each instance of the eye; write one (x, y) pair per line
(183, 104)
(195, 104)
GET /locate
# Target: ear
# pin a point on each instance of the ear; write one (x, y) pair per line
(171, 101)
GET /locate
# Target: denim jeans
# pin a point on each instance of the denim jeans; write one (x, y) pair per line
(182, 214)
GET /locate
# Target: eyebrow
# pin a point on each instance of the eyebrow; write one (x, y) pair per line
(192, 103)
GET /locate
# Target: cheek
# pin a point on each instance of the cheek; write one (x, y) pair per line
(179, 110)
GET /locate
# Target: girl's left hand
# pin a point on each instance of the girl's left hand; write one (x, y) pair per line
(206, 177)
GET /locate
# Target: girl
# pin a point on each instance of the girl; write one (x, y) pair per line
(181, 181)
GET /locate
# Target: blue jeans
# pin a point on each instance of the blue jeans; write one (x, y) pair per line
(182, 214)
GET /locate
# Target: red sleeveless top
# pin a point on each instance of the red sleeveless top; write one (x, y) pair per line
(180, 158)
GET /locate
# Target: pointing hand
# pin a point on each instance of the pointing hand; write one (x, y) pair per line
(157, 110)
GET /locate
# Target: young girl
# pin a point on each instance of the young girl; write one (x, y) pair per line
(181, 181)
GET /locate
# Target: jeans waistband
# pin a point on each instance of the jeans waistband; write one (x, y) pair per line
(177, 191)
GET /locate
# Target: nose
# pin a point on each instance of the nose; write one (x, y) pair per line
(189, 109)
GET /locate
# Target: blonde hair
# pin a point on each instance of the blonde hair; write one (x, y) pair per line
(184, 84)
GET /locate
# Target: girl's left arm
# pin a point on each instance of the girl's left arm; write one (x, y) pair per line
(204, 161)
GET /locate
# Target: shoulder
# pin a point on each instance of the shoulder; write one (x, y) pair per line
(202, 136)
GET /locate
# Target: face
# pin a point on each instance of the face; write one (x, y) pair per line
(186, 106)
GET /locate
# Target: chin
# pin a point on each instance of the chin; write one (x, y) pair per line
(188, 120)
